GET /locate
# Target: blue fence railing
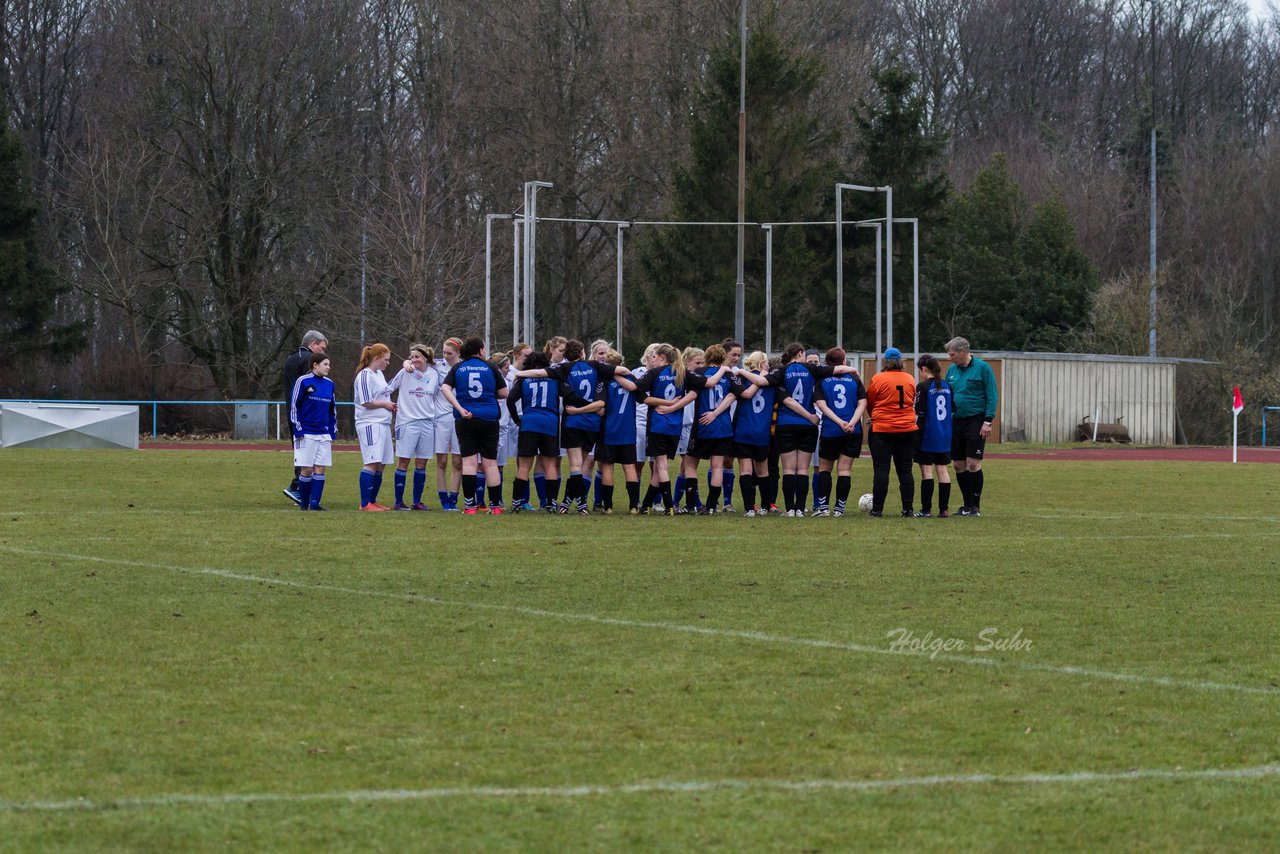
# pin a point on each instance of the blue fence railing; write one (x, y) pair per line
(281, 419)
(1265, 410)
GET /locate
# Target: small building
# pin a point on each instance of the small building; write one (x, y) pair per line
(1044, 397)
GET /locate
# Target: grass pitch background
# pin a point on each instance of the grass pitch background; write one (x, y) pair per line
(174, 637)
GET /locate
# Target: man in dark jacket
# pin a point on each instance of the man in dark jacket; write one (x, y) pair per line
(295, 366)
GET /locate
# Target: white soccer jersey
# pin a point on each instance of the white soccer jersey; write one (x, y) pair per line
(371, 385)
(418, 389)
(442, 407)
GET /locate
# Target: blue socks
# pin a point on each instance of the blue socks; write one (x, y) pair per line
(480, 483)
(368, 489)
(304, 492)
(317, 487)
(597, 489)
(540, 484)
(419, 484)
(727, 483)
(401, 478)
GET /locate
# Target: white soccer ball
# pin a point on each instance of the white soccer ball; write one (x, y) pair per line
(866, 502)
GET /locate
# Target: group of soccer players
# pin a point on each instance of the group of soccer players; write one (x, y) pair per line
(786, 425)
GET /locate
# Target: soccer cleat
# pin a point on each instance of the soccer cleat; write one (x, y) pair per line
(706, 511)
(401, 507)
(605, 511)
(944, 514)
(521, 507)
(670, 511)
(635, 511)
(469, 511)
(750, 514)
(974, 512)
(583, 510)
(728, 508)
(316, 508)
(923, 514)
(495, 510)
(294, 496)
(773, 509)
(418, 505)
(838, 512)
(906, 514)
(304, 508)
(964, 511)
(875, 514)
(372, 508)
(821, 511)
(563, 509)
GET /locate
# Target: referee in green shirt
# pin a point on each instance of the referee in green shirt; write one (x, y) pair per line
(973, 389)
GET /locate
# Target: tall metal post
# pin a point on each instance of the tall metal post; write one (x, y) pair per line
(740, 291)
(617, 328)
(1151, 330)
(531, 255)
(888, 261)
(515, 280)
(768, 288)
(839, 268)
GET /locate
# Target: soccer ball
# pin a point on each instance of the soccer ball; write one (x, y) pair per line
(866, 502)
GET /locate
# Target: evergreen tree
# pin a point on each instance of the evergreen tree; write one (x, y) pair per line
(1008, 277)
(896, 149)
(689, 272)
(28, 285)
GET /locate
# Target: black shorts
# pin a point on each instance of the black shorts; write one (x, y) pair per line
(966, 438)
(661, 445)
(622, 454)
(933, 458)
(796, 437)
(705, 449)
(531, 444)
(476, 436)
(844, 445)
(572, 437)
(755, 453)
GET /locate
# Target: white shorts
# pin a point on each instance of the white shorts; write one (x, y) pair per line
(311, 450)
(683, 447)
(446, 436)
(508, 439)
(416, 439)
(375, 443)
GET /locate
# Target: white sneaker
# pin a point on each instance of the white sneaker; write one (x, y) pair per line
(750, 514)
(821, 511)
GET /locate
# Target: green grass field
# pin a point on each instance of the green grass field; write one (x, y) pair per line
(190, 665)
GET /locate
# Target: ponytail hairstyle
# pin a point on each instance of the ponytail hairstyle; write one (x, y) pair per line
(552, 344)
(689, 354)
(573, 350)
(716, 354)
(648, 354)
(613, 357)
(424, 351)
(598, 343)
(930, 364)
(455, 343)
(791, 351)
(757, 361)
(674, 361)
(471, 348)
(368, 354)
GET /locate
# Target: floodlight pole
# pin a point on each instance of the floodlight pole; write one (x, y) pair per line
(617, 329)
(740, 291)
(530, 251)
(768, 287)
(1151, 91)
(488, 275)
(840, 188)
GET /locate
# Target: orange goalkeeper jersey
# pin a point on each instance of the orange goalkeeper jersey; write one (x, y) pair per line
(891, 399)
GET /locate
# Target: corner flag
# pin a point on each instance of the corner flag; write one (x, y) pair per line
(1237, 406)
(1237, 402)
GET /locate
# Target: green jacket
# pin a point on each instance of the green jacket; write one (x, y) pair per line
(973, 389)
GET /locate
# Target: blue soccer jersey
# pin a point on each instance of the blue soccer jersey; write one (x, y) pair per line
(539, 404)
(475, 384)
(587, 379)
(710, 395)
(798, 381)
(312, 410)
(936, 408)
(841, 394)
(754, 416)
(662, 384)
(619, 416)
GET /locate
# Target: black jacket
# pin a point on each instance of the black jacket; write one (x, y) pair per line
(295, 366)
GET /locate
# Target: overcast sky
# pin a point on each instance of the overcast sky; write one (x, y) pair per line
(1259, 8)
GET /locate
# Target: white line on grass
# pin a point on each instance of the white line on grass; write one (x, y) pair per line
(654, 787)
(740, 634)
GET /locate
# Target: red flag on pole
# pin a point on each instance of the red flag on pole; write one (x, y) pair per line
(1237, 402)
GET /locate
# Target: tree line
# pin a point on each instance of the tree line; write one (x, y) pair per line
(191, 186)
